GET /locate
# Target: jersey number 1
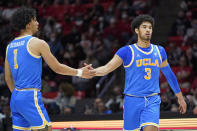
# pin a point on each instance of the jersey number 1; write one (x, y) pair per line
(15, 60)
(148, 73)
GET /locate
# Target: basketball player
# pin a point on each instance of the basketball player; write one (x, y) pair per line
(142, 62)
(23, 69)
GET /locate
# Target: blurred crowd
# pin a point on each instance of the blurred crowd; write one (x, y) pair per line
(91, 31)
(182, 56)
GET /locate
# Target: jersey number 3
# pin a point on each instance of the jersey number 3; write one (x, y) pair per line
(15, 59)
(148, 73)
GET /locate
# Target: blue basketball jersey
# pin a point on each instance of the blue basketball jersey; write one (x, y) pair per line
(26, 68)
(142, 71)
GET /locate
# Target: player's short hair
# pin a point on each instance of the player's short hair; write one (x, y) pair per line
(22, 17)
(140, 19)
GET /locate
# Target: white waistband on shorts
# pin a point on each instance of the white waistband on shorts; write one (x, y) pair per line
(27, 89)
(153, 94)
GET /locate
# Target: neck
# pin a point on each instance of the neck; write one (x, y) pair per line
(25, 32)
(143, 43)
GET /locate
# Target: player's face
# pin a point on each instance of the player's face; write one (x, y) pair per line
(145, 31)
(34, 25)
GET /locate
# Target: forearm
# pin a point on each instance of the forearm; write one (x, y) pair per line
(102, 71)
(65, 70)
(113, 64)
(53, 62)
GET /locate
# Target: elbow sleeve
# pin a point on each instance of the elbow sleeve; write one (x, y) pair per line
(172, 80)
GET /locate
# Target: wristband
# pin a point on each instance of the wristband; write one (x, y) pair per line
(79, 72)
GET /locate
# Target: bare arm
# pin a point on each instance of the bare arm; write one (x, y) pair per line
(114, 63)
(40, 47)
(8, 76)
(53, 63)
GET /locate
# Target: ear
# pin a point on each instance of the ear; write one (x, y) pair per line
(27, 26)
(136, 30)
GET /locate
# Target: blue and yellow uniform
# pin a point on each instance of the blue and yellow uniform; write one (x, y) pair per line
(28, 111)
(142, 68)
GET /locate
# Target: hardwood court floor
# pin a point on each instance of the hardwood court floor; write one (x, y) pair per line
(184, 124)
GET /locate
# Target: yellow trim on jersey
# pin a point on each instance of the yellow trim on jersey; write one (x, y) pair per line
(21, 37)
(149, 123)
(40, 112)
(39, 127)
(21, 128)
(159, 53)
(42, 126)
(132, 57)
(28, 50)
(147, 53)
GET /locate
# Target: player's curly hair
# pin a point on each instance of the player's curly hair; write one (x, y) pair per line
(22, 17)
(140, 19)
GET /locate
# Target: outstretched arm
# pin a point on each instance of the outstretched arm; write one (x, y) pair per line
(114, 63)
(40, 47)
(172, 80)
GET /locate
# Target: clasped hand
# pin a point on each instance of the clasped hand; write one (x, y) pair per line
(88, 71)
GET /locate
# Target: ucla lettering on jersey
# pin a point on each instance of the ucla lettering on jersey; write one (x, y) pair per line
(26, 68)
(142, 73)
(146, 62)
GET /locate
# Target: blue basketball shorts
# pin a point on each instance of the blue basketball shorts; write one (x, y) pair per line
(28, 111)
(140, 112)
